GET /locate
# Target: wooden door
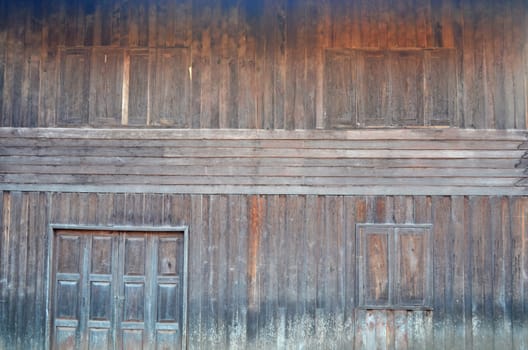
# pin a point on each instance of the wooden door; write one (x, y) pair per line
(117, 290)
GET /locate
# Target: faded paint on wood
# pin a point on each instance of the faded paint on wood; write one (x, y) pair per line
(309, 298)
(266, 64)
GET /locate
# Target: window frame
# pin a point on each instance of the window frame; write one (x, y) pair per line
(394, 300)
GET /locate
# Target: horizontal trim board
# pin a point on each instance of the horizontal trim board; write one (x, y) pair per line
(256, 134)
(276, 190)
(390, 161)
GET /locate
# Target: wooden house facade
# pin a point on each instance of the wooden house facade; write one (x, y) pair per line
(263, 174)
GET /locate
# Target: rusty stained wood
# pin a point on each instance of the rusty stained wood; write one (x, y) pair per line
(263, 65)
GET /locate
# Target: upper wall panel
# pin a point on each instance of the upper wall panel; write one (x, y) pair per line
(274, 64)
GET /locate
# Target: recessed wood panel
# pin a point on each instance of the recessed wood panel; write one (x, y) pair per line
(169, 92)
(74, 83)
(102, 249)
(65, 338)
(407, 88)
(167, 340)
(68, 293)
(340, 89)
(440, 92)
(134, 309)
(377, 269)
(134, 256)
(133, 339)
(138, 87)
(69, 261)
(373, 100)
(167, 256)
(99, 338)
(100, 301)
(106, 87)
(412, 267)
(168, 307)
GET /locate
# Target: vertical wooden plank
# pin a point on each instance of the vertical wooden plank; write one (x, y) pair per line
(4, 265)
(257, 213)
(323, 27)
(233, 327)
(349, 273)
(441, 209)
(14, 70)
(21, 299)
(519, 232)
(279, 73)
(241, 294)
(335, 269)
(500, 231)
(177, 209)
(293, 250)
(13, 249)
(248, 40)
(3, 54)
(48, 71)
(153, 209)
(295, 65)
(214, 322)
(195, 285)
(472, 106)
(480, 272)
(268, 277)
(260, 32)
(312, 44)
(502, 89)
(134, 204)
(30, 276)
(41, 252)
(519, 61)
(228, 68)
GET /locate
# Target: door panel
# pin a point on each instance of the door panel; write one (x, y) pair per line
(117, 290)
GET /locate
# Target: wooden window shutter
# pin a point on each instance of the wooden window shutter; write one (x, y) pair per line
(390, 88)
(394, 266)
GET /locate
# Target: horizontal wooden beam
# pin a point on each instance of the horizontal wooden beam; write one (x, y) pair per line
(356, 162)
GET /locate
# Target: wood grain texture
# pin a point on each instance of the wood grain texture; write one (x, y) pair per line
(417, 161)
(263, 65)
(313, 300)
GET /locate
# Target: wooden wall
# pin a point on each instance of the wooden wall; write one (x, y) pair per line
(365, 162)
(278, 271)
(255, 64)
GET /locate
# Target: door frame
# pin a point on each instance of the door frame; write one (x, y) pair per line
(52, 228)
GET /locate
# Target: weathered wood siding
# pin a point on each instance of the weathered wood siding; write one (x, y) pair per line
(263, 64)
(277, 271)
(428, 162)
